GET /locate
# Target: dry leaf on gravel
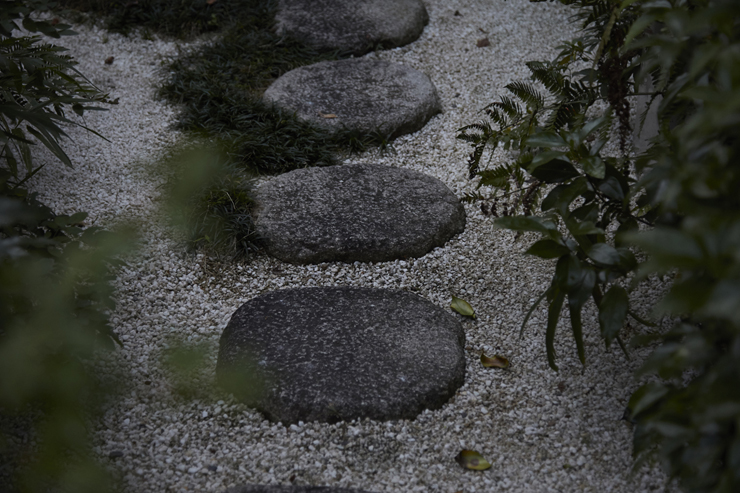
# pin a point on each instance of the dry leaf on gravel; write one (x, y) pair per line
(496, 361)
(462, 307)
(470, 459)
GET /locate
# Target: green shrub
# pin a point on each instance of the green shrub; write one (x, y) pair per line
(683, 189)
(179, 18)
(220, 87)
(210, 200)
(55, 294)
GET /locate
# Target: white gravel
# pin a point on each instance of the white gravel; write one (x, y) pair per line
(542, 430)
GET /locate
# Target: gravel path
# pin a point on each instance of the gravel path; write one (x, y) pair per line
(541, 430)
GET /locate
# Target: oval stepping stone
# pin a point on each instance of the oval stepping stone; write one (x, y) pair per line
(358, 94)
(339, 353)
(263, 488)
(360, 212)
(352, 26)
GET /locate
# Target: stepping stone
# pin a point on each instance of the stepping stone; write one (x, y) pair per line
(352, 26)
(338, 353)
(262, 488)
(359, 212)
(358, 94)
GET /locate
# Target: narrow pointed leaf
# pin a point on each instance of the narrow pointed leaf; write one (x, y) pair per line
(555, 171)
(545, 139)
(644, 398)
(462, 307)
(470, 459)
(546, 157)
(525, 223)
(594, 166)
(553, 315)
(577, 326)
(548, 249)
(613, 312)
(612, 188)
(530, 311)
(603, 254)
(496, 362)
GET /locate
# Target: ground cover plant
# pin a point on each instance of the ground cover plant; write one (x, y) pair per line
(676, 202)
(219, 88)
(55, 294)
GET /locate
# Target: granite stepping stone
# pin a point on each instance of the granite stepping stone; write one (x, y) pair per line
(358, 94)
(359, 212)
(262, 488)
(352, 26)
(338, 353)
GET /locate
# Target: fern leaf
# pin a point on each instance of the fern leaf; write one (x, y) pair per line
(497, 114)
(527, 93)
(474, 161)
(471, 197)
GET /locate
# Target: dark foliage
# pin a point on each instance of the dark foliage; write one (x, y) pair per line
(55, 294)
(685, 184)
(220, 87)
(179, 18)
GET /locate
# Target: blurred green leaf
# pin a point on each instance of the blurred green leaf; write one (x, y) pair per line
(547, 249)
(613, 312)
(545, 139)
(612, 188)
(545, 157)
(555, 171)
(645, 397)
(603, 254)
(594, 166)
(562, 196)
(526, 223)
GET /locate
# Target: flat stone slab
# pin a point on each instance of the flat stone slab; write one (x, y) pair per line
(358, 94)
(359, 212)
(262, 488)
(356, 26)
(338, 353)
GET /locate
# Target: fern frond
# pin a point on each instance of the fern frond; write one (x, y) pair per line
(497, 115)
(472, 197)
(527, 93)
(551, 78)
(474, 160)
(511, 108)
(562, 115)
(501, 177)
(475, 133)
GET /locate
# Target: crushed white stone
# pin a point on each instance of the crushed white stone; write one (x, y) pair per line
(541, 430)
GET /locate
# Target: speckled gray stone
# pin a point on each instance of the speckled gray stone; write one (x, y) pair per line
(339, 353)
(359, 212)
(355, 26)
(358, 94)
(262, 488)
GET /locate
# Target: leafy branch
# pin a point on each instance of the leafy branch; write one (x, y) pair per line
(684, 57)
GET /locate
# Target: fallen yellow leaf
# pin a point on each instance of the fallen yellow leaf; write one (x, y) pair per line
(470, 459)
(462, 307)
(496, 362)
